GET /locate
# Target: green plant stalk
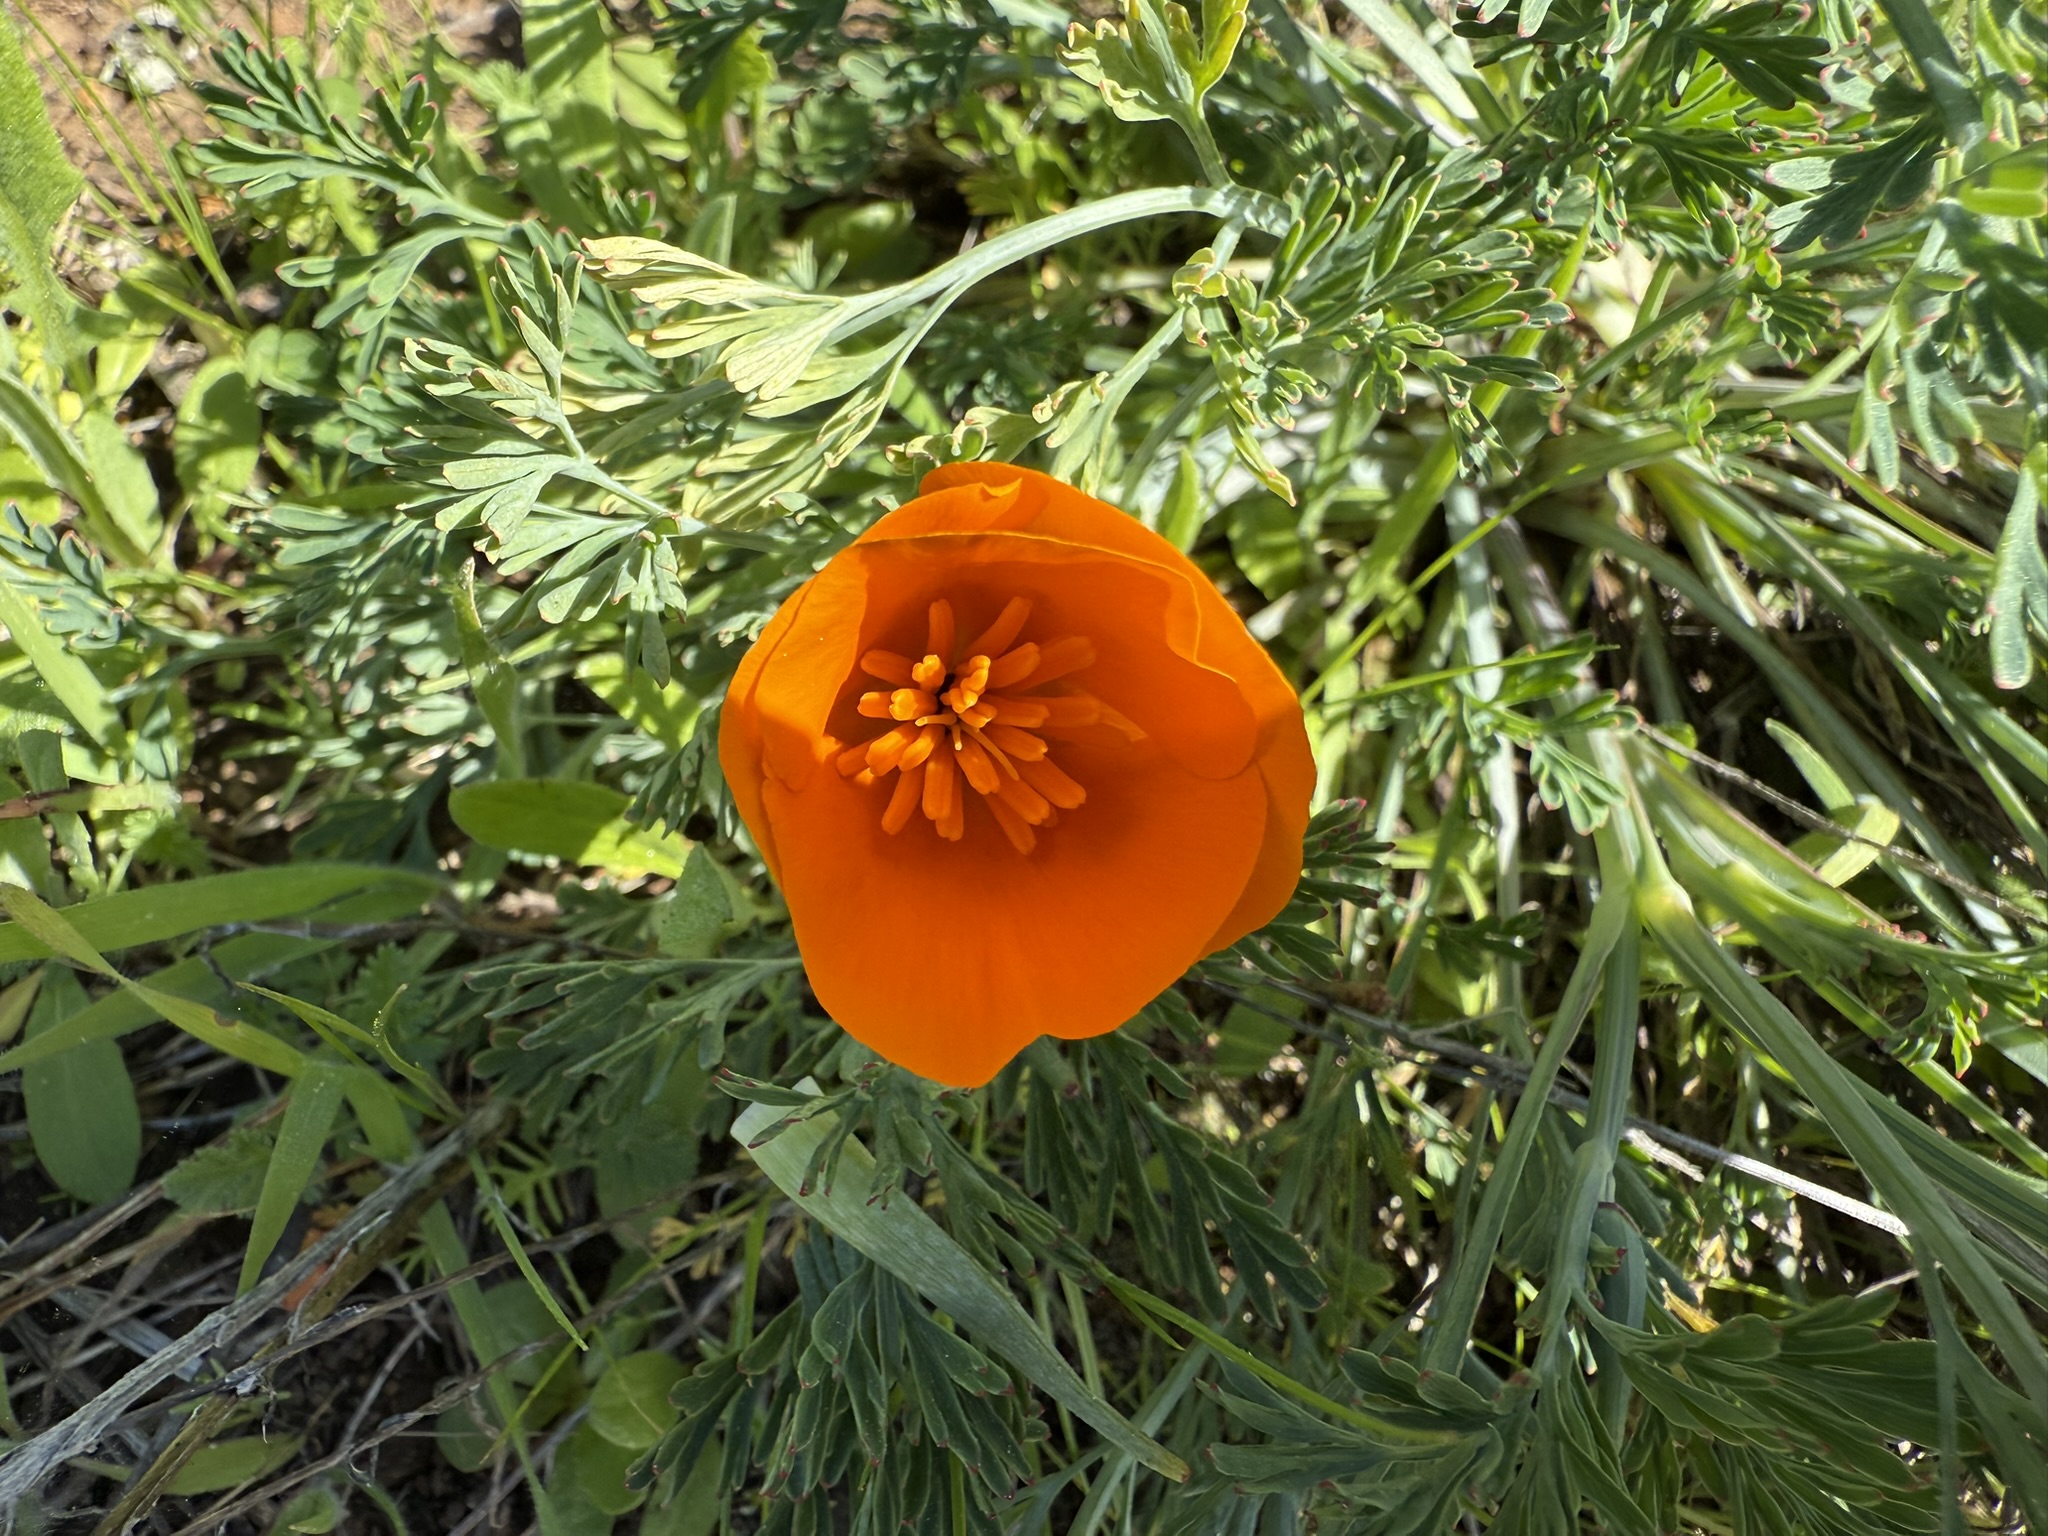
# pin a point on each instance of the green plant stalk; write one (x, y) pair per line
(1975, 727)
(1456, 1308)
(970, 267)
(1746, 1005)
(1854, 759)
(1944, 1085)
(1614, 1045)
(1482, 643)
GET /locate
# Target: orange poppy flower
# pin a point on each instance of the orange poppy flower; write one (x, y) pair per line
(1016, 765)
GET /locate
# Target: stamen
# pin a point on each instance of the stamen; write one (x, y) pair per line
(928, 739)
(941, 785)
(1131, 729)
(951, 723)
(1021, 745)
(940, 635)
(902, 803)
(1057, 658)
(1047, 778)
(969, 683)
(1002, 634)
(1021, 837)
(888, 666)
(1025, 801)
(887, 751)
(910, 703)
(1027, 713)
(1014, 667)
(991, 749)
(1070, 711)
(978, 766)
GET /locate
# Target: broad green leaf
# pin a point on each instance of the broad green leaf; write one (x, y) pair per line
(629, 1406)
(23, 485)
(902, 1239)
(301, 1140)
(1836, 860)
(667, 714)
(155, 913)
(695, 1508)
(121, 474)
(231, 1463)
(220, 430)
(569, 819)
(226, 1176)
(82, 1117)
(16, 998)
(696, 911)
(1819, 774)
(569, 63)
(598, 1467)
(314, 1512)
(652, 1149)
(54, 933)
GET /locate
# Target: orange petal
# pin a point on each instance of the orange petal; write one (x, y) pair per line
(1289, 771)
(1072, 940)
(741, 747)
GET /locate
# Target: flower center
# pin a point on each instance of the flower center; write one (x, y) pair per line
(970, 714)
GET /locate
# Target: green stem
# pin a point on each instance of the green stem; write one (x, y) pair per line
(1456, 1309)
(984, 260)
